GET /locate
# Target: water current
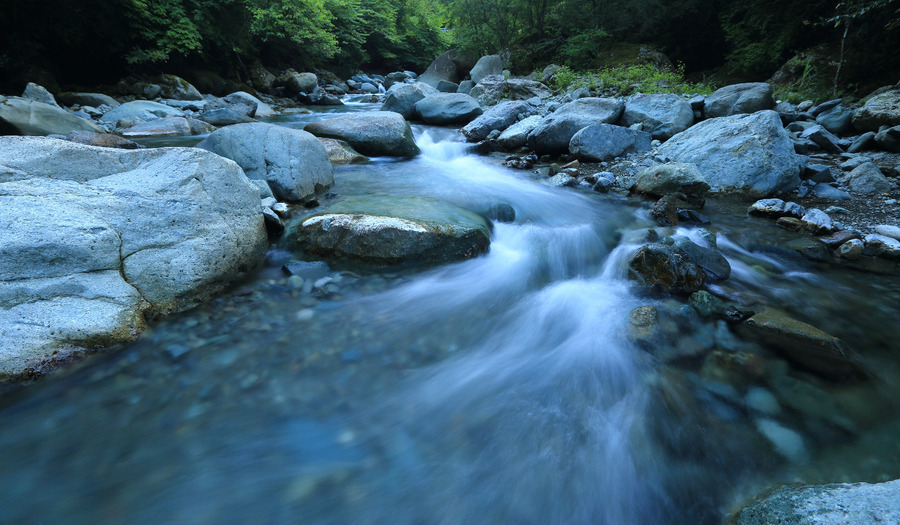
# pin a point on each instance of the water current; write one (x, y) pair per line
(503, 389)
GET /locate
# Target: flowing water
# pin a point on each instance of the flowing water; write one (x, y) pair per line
(503, 389)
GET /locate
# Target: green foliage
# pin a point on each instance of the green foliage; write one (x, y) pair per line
(580, 50)
(640, 78)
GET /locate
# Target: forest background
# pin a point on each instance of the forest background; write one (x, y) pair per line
(79, 43)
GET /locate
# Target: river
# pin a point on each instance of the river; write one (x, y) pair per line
(501, 389)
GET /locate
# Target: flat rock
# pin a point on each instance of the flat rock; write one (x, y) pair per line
(140, 110)
(776, 208)
(374, 134)
(161, 127)
(392, 230)
(516, 135)
(803, 343)
(867, 179)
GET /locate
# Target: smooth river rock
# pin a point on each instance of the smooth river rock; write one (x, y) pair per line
(22, 116)
(448, 108)
(98, 239)
(498, 117)
(750, 154)
(294, 163)
(662, 115)
(735, 99)
(553, 134)
(392, 230)
(880, 110)
(603, 142)
(375, 134)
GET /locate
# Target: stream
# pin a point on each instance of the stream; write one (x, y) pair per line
(503, 389)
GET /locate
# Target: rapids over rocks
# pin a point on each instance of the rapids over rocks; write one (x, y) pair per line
(507, 388)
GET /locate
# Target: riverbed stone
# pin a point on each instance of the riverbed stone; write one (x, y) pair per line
(516, 135)
(555, 132)
(96, 239)
(880, 110)
(486, 65)
(374, 134)
(224, 117)
(292, 161)
(402, 98)
(39, 93)
(494, 88)
(888, 230)
(823, 138)
(177, 88)
(805, 344)
(658, 266)
(340, 152)
(242, 97)
(498, 117)
(391, 230)
(750, 154)
(851, 250)
(604, 142)
(295, 83)
(889, 139)
(817, 222)
(714, 265)
(161, 127)
(837, 120)
(448, 108)
(735, 99)
(867, 179)
(140, 110)
(96, 100)
(22, 116)
(442, 68)
(838, 504)
(661, 115)
(672, 178)
(106, 140)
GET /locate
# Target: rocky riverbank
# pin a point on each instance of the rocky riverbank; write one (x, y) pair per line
(105, 239)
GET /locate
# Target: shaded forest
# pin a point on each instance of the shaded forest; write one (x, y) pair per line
(91, 42)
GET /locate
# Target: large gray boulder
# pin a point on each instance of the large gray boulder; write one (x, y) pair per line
(867, 179)
(739, 98)
(295, 83)
(553, 134)
(498, 117)
(516, 135)
(177, 88)
(22, 116)
(448, 108)
(493, 88)
(98, 239)
(838, 504)
(661, 115)
(745, 154)
(242, 97)
(442, 68)
(390, 230)
(486, 66)
(880, 110)
(140, 110)
(375, 134)
(402, 98)
(292, 161)
(602, 142)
